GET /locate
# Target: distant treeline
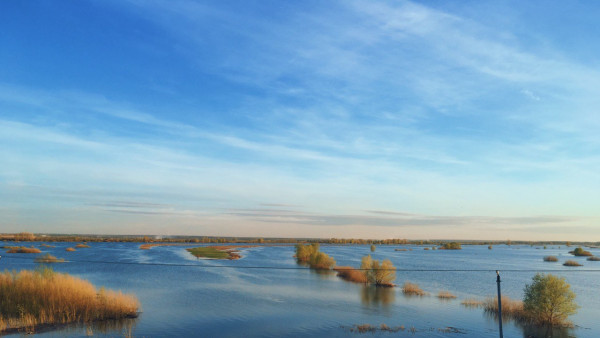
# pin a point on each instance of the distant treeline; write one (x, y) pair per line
(31, 237)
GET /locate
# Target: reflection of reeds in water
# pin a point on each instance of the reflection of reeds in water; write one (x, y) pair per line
(372, 295)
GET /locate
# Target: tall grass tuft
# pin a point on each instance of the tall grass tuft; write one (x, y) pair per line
(550, 259)
(572, 263)
(412, 289)
(511, 309)
(351, 274)
(31, 298)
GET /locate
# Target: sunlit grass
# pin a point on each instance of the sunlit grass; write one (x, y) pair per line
(22, 249)
(511, 308)
(208, 252)
(32, 298)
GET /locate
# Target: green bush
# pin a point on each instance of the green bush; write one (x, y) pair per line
(549, 300)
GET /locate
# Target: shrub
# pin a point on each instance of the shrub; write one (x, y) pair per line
(489, 247)
(550, 259)
(580, 252)
(549, 300)
(82, 246)
(380, 274)
(572, 263)
(310, 254)
(593, 258)
(372, 248)
(70, 249)
(412, 289)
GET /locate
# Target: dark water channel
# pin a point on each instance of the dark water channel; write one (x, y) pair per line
(216, 298)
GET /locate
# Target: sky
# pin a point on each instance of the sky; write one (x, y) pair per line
(346, 119)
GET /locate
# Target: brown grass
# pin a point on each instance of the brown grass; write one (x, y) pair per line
(445, 295)
(42, 297)
(593, 259)
(70, 249)
(511, 309)
(412, 289)
(351, 274)
(44, 245)
(572, 263)
(48, 258)
(22, 249)
(550, 259)
(471, 302)
(82, 246)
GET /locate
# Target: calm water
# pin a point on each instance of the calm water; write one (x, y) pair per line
(207, 299)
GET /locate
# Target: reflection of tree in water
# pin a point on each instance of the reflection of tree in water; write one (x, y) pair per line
(372, 295)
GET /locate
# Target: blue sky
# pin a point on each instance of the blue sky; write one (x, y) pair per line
(391, 119)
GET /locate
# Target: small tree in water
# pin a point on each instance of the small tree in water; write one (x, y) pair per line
(549, 300)
(372, 248)
(381, 274)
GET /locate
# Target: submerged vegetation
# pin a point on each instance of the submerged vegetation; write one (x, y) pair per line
(471, 302)
(511, 308)
(593, 259)
(70, 249)
(80, 246)
(412, 289)
(446, 295)
(310, 254)
(48, 258)
(43, 297)
(572, 263)
(550, 259)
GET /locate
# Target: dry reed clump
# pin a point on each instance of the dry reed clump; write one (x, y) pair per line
(351, 274)
(32, 298)
(471, 302)
(412, 289)
(572, 263)
(593, 259)
(48, 258)
(550, 259)
(511, 308)
(44, 245)
(82, 246)
(445, 295)
(22, 249)
(70, 249)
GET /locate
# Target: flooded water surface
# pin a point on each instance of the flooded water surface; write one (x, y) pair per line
(266, 294)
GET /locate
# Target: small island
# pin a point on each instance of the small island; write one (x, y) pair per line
(218, 252)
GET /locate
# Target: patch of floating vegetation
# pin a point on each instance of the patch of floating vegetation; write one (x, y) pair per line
(550, 259)
(572, 263)
(44, 245)
(593, 259)
(48, 258)
(22, 249)
(80, 246)
(42, 298)
(70, 249)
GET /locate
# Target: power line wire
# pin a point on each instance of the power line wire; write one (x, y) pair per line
(304, 268)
